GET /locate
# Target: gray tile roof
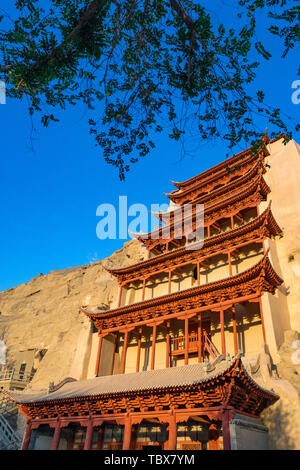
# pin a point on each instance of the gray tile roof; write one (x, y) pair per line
(146, 380)
(138, 381)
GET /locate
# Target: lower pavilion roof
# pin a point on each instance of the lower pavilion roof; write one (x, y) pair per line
(171, 380)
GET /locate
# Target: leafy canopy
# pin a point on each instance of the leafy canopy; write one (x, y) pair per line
(154, 66)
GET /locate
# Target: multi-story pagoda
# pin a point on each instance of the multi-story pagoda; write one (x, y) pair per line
(175, 361)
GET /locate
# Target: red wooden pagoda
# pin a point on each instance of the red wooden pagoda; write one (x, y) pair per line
(193, 380)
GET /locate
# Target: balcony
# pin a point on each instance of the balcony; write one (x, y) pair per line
(204, 346)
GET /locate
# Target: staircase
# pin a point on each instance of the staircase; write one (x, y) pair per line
(209, 346)
(178, 345)
(9, 438)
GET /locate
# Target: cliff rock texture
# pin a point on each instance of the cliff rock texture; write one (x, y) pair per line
(44, 313)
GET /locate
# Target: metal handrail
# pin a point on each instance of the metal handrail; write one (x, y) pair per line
(8, 436)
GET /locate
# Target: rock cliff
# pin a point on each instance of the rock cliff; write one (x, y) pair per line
(44, 313)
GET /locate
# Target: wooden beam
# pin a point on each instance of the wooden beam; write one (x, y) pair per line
(168, 346)
(127, 434)
(199, 338)
(191, 312)
(114, 353)
(98, 355)
(226, 430)
(216, 226)
(222, 331)
(186, 341)
(235, 338)
(27, 437)
(143, 292)
(138, 353)
(89, 435)
(153, 346)
(124, 352)
(239, 217)
(55, 440)
(172, 443)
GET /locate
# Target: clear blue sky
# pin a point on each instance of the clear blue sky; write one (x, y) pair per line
(49, 195)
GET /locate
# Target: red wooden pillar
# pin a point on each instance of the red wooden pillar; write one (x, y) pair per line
(186, 341)
(222, 331)
(27, 436)
(235, 338)
(153, 347)
(138, 352)
(262, 321)
(127, 434)
(172, 433)
(89, 435)
(55, 440)
(232, 222)
(168, 345)
(229, 263)
(114, 353)
(208, 231)
(169, 285)
(124, 352)
(199, 338)
(143, 292)
(98, 355)
(226, 430)
(198, 274)
(100, 438)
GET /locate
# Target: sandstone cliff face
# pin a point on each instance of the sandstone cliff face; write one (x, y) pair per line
(283, 418)
(44, 314)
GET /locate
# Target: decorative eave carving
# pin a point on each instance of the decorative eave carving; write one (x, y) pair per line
(250, 283)
(263, 226)
(203, 194)
(219, 170)
(248, 197)
(231, 387)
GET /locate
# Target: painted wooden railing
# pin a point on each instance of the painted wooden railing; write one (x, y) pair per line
(178, 344)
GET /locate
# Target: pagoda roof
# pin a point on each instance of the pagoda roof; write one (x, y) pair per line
(220, 168)
(195, 194)
(257, 185)
(99, 392)
(211, 244)
(259, 278)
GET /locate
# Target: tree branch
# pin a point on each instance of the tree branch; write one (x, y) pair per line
(91, 11)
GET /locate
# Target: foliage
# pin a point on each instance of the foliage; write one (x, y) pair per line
(154, 65)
